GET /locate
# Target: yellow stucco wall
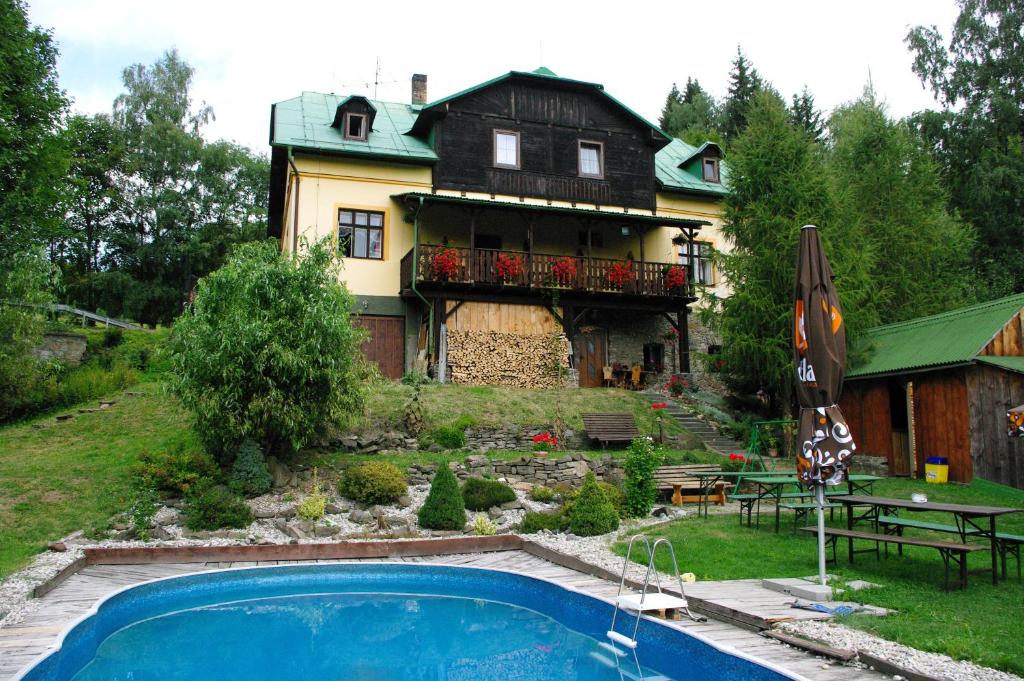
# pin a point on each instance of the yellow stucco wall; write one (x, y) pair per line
(326, 185)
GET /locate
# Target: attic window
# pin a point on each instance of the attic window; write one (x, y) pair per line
(591, 161)
(355, 126)
(506, 149)
(710, 166)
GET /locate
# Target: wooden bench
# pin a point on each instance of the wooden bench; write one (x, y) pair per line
(804, 509)
(951, 552)
(1009, 544)
(678, 479)
(747, 501)
(611, 428)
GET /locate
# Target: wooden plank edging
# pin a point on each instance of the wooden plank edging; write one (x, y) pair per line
(811, 646)
(298, 552)
(886, 667)
(55, 581)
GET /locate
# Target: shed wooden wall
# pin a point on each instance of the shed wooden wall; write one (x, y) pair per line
(525, 320)
(865, 405)
(941, 425)
(996, 457)
(1010, 339)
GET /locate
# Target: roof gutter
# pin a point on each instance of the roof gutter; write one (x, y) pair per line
(907, 372)
(295, 219)
(415, 267)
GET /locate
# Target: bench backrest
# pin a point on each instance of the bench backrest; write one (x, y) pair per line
(681, 474)
(618, 427)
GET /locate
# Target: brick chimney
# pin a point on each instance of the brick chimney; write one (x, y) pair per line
(419, 88)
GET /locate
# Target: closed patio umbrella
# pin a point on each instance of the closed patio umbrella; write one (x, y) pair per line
(819, 354)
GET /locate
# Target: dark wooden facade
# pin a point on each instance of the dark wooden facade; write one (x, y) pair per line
(551, 120)
(958, 413)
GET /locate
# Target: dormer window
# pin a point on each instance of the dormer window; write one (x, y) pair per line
(710, 166)
(506, 149)
(591, 160)
(355, 126)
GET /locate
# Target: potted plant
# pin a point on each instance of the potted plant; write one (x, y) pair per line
(564, 271)
(445, 263)
(772, 443)
(621, 273)
(508, 267)
(675, 278)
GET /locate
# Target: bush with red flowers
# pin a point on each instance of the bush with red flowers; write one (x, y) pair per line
(621, 273)
(445, 263)
(677, 386)
(675, 277)
(544, 442)
(508, 266)
(564, 271)
(659, 405)
(737, 457)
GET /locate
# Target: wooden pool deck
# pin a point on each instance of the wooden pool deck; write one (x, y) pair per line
(20, 645)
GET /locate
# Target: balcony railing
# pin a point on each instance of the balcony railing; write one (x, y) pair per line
(481, 266)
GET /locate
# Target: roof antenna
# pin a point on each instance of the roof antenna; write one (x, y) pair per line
(376, 79)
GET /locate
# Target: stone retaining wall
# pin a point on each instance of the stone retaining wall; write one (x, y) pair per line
(518, 439)
(67, 347)
(568, 469)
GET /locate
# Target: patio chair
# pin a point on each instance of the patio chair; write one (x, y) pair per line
(634, 379)
(608, 377)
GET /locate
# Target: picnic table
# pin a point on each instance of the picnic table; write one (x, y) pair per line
(976, 521)
(708, 480)
(773, 487)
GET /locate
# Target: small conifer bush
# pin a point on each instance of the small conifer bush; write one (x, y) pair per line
(592, 513)
(373, 482)
(481, 494)
(211, 507)
(443, 508)
(249, 474)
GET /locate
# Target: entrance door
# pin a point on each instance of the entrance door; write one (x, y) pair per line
(385, 344)
(591, 351)
(900, 423)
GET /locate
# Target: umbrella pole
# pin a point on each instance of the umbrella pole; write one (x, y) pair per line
(820, 495)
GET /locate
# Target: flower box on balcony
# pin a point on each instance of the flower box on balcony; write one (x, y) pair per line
(564, 271)
(621, 273)
(445, 263)
(508, 267)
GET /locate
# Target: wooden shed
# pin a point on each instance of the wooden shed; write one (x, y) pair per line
(941, 386)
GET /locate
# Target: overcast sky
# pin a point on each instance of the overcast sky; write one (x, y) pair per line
(248, 55)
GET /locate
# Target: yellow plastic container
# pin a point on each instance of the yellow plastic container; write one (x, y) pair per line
(936, 470)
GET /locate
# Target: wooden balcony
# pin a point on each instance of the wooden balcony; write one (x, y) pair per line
(479, 269)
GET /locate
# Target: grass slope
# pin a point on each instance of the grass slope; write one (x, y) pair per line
(971, 624)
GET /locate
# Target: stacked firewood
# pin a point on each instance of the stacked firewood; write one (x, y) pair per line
(515, 360)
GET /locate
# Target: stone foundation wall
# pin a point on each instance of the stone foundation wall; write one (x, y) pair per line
(66, 347)
(518, 439)
(870, 465)
(568, 469)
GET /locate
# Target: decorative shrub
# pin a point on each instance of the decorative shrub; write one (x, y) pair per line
(544, 442)
(484, 526)
(542, 494)
(615, 495)
(445, 263)
(621, 273)
(452, 436)
(141, 508)
(249, 474)
(640, 488)
(443, 508)
(675, 277)
(677, 386)
(480, 494)
(508, 266)
(373, 482)
(112, 337)
(592, 513)
(212, 507)
(556, 521)
(268, 350)
(176, 471)
(314, 505)
(564, 271)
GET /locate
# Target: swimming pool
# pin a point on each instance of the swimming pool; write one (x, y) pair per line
(364, 621)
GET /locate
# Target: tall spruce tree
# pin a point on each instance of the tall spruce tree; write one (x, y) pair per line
(979, 135)
(888, 190)
(804, 114)
(777, 183)
(744, 83)
(693, 118)
(673, 100)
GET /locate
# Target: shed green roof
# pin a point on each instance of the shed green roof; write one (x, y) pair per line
(950, 338)
(670, 176)
(1010, 363)
(305, 123)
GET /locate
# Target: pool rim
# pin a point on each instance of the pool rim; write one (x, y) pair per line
(95, 607)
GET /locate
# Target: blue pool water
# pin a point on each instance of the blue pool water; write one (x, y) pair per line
(364, 622)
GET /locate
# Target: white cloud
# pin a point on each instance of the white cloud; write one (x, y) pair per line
(248, 55)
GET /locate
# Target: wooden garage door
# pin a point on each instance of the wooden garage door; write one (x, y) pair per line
(385, 344)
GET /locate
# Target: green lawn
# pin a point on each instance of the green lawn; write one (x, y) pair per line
(974, 624)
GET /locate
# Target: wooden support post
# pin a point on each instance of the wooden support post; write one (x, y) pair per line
(472, 246)
(529, 253)
(690, 274)
(640, 281)
(589, 256)
(684, 341)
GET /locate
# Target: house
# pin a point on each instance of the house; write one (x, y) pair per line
(942, 386)
(529, 206)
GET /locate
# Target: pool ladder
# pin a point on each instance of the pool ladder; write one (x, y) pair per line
(644, 602)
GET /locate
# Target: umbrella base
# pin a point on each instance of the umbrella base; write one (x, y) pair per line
(799, 588)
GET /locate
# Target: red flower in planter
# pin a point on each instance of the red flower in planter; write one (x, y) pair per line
(543, 442)
(659, 405)
(508, 266)
(737, 457)
(621, 273)
(675, 277)
(564, 271)
(445, 263)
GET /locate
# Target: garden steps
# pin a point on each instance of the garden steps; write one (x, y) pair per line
(711, 438)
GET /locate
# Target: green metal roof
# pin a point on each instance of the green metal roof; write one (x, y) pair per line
(305, 123)
(1011, 363)
(673, 178)
(561, 210)
(950, 338)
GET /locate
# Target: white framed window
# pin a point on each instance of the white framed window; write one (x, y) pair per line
(710, 166)
(361, 234)
(506, 149)
(355, 126)
(703, 268)
(591, 159)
